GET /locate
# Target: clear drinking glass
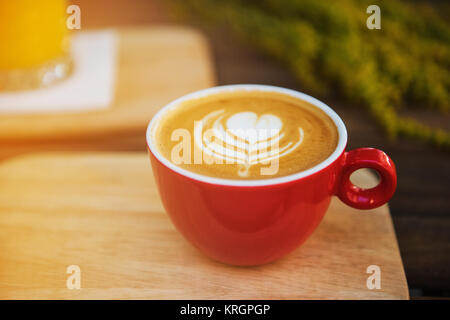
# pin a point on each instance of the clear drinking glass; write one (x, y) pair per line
(34, 44)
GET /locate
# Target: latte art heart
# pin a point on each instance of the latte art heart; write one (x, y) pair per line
(244, 138)
(243, 122)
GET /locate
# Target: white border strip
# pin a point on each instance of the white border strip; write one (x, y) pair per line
(249, 183)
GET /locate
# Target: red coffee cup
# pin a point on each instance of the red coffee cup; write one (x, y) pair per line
(252, 222)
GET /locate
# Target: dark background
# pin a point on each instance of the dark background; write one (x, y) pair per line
(421, 206)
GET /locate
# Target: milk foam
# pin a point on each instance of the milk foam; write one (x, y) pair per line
(244, 138)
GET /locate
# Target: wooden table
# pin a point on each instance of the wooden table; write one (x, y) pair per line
(102, 213)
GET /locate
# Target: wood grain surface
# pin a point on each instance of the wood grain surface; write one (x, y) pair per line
(102, 212)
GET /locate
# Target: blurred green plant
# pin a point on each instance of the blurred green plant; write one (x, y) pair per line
(328, 47)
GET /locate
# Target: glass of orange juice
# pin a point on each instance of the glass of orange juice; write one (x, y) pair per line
(34, 43)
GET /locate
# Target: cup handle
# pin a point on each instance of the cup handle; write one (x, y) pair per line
(360, 198)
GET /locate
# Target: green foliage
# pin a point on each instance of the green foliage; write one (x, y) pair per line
(327, 46)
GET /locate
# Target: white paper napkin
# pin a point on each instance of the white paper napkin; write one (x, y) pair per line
(90, 86)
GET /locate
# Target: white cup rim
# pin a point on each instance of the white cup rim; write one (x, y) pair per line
(342, 132)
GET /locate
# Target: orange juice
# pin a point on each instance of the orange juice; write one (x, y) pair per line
(32, 32)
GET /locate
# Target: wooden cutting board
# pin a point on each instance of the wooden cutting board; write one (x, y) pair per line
(102, 213)
(155, 65)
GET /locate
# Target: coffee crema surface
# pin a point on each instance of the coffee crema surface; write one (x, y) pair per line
(245, 135)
